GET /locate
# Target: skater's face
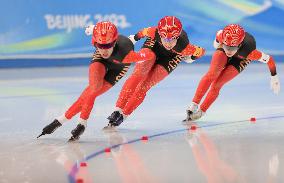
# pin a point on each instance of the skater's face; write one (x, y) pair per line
(105, 50)
(105, 53)
(169, 43)
(230, 50)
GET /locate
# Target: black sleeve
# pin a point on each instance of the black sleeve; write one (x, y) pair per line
(182, 42)
(125, 45)
(247, 46)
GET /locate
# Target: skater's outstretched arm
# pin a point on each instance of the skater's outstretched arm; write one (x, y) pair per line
(143, 55)
(268, 59)
(264, 58)
(148, 32)
(146, 52)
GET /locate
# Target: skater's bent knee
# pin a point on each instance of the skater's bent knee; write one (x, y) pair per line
(95, 88)
(216, 87)
(210, 76)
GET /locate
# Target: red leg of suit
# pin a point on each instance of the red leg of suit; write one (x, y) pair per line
(88, 96)
(218, 62)
(76, 106)
(157, 74)
(226, 75)
(139, 74)
(89, 102)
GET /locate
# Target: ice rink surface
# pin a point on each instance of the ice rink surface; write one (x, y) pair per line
(225, 147)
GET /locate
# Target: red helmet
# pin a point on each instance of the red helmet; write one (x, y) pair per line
(104, 35)
(169, 27)
(233, 35)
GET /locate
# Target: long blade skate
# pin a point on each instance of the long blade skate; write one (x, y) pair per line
(73, 139)
(49, 129)
(110, 128)
(188, 119)
(77, 132)
(40, 135)
(115, 119)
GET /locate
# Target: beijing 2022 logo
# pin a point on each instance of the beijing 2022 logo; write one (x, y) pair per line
(75, 21)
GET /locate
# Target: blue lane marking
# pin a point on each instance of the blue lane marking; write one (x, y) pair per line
(74, 170)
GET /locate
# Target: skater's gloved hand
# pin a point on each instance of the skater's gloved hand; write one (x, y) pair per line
(218, 39)
(89, 30)
(275, 84)
(189, 59)
(131, 37)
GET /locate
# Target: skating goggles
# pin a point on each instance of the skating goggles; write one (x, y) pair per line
(105, 46)
(168, 40)
(230, 48)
